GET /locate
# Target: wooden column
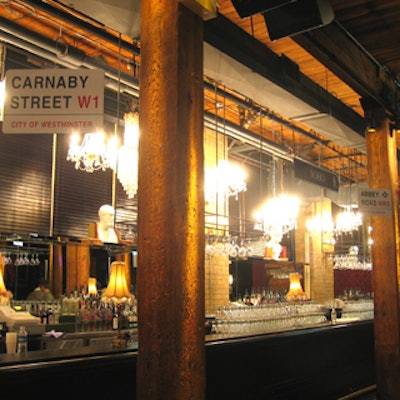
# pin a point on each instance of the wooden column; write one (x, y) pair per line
(58, 268)
(170, 273)
(383, 174)
(77, 265)
(321, 265)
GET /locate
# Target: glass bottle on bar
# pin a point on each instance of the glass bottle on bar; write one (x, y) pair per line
(22, 340)
(115, 318)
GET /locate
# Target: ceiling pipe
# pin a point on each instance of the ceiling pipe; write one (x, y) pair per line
(223, 126)
(100, 32)
(68, 57)
(250, 106)
(71, 57)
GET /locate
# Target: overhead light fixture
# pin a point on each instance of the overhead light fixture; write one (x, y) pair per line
(128, 155)
(225, 179)
(92, 154)
(348, 221)
(322, 224)
(395, 125)
(371, 126)
(278, 216)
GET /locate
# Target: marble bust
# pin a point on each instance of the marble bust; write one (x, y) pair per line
(105, 225)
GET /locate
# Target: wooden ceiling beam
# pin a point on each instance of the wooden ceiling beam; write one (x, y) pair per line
(224, 35)
(335, 48)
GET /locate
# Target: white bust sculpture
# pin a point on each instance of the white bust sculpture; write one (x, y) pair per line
(105, 229)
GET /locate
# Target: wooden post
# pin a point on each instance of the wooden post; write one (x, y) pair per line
(58, 268)
(77, 265)
(321, 265)
(170, 272)
(383, 174)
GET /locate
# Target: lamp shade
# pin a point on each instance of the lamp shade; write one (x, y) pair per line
(92, 286)
(117, 288)
(5, 295)
(296, 291)
(3, 288)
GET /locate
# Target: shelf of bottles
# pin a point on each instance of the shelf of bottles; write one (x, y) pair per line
(80, 312)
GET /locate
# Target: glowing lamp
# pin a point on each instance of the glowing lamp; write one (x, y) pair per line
(117, 289)
(296, 291)
(92, 286)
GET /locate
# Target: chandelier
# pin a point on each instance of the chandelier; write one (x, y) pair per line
(278, 216)
(322, 224)
(225, 179)
(128, 155)
(348, 221)
(92, 154)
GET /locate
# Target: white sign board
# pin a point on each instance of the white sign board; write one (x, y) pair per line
(53, 100)
(375, 202)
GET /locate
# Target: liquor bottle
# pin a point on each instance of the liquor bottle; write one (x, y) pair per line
(115, 318)
(43, 314)
(333, 315)
(22, 340)
(50, 316)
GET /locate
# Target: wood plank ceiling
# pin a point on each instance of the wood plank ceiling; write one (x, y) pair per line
(373, 25)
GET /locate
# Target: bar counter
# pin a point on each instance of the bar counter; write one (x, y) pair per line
(323, 362)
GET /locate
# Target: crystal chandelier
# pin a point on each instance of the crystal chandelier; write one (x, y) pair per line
(278, 215)
(348, 221)
(128, 155)
(225, 179)
(320, 223)
(92, 154)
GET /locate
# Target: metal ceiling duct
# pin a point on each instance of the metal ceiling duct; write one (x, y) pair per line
(67, 57)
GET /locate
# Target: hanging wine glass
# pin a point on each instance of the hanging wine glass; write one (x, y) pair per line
(18, 260)
(32, 260)
(26, 259)
(7, 259)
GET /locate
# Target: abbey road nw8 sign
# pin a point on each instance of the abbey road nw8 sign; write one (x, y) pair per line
(53, 100)
(375, 202)
(313, 174)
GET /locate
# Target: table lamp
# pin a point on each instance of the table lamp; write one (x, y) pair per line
(92, 287)
(118, 293)
(296, 291)
(5, 295)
